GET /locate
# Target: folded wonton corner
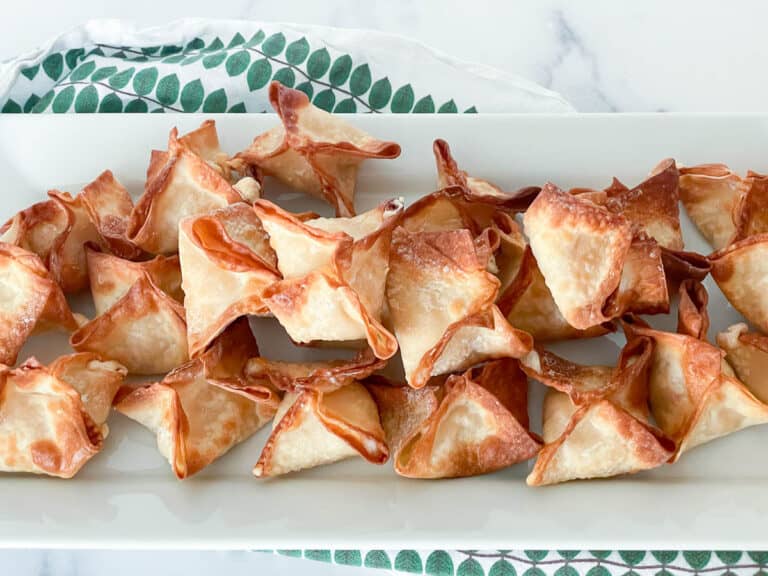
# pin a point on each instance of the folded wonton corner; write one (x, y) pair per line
(313, 151)
(205, 407)
(747, 353)
(472, 424)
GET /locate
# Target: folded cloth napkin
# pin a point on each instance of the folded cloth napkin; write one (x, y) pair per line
(195, 65)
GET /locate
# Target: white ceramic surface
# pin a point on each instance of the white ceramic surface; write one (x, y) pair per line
(127, 497)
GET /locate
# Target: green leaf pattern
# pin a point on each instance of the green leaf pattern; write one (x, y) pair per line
(207, 72)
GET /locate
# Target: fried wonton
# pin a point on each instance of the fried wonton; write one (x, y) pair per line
(144, 330)
(226, 263)
(180, 183)
(439, 276)
(741, 272)
(30, 301)
(44, 427)
(596, 417)
(334, 272)
(313, 427)
(710, 193)
(747, 353)
(580, 248)
(313, 151)
(473, 424)
(205, 407)
(695, 396)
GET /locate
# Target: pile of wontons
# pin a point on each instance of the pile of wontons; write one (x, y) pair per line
(468, 284)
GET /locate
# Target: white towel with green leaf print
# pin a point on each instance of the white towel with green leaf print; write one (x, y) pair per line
(195, 65)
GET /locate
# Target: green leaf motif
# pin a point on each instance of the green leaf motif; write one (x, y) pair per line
(175, 59)
(448, 108)
(238, 108)
(502, 568)
(285, 76)
(632, 557)
(424, 106)
(378, 559)
(11, 107)
(340, 70)
(381, 92)
(325, 100)
(439, 563)
(291, 553)
(346, 106)
(759, 557)
(728, 557)
(150, 50)
(402, 101)
(192, 59)
(237, 63)
(256, 39)
(321, 555)
(63, 100)
(192, 96)
(87, 100)
(111, 104)
(566, 570)
(72, 56)
(360, 81)
(217, 44)
(348, 557)
(665, 556)
(600, 554)
(53, 66)
(215, 102)
(44, 102)
(170, 49)
(121, 79)
(237, 39)
(470, 110)
(536, 555)
(297, 51)
(470, 567)
(568, 554)
(663, 573)
(118, 54)
(103, 73)
(136, 106)
(307, 88)
(408, 561)
(144, 81)
(138, 59)
(157, 111)
(195, 44)
(31, 72)
(534, 572)
(82, 72)
(259, 74)
(274, 44)
(698, 559)
(318, 63)
(95, 52)
(30, 103)
(168, 89)
(214, 59)
(598, 571)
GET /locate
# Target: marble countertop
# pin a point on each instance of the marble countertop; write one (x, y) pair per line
(600, 55)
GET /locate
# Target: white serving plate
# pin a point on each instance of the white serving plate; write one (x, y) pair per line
(127, 497)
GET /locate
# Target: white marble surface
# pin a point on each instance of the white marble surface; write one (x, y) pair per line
(645, 55)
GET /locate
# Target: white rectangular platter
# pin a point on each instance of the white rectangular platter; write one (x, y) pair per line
(716, 497)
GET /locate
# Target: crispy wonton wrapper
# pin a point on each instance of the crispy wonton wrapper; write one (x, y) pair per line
(313, 151)
(473, 424)
(29, 301)
(747, 353)
(596, 417)
(179, 184)
(144, 330)
(44, 427)
(694, 393)
(204, 407)
(440, 276)
(227, 263)
(333, 268)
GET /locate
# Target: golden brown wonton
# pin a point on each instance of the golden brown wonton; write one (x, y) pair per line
(695, 396)
(226, 263)
(313, 151)
(442, 276)
(596, 417)
(144, 329)
(472, 424)
(44, 427)
(30, 301)
(332, 268)
(205, 407)
(180, 183)
(747, 354)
